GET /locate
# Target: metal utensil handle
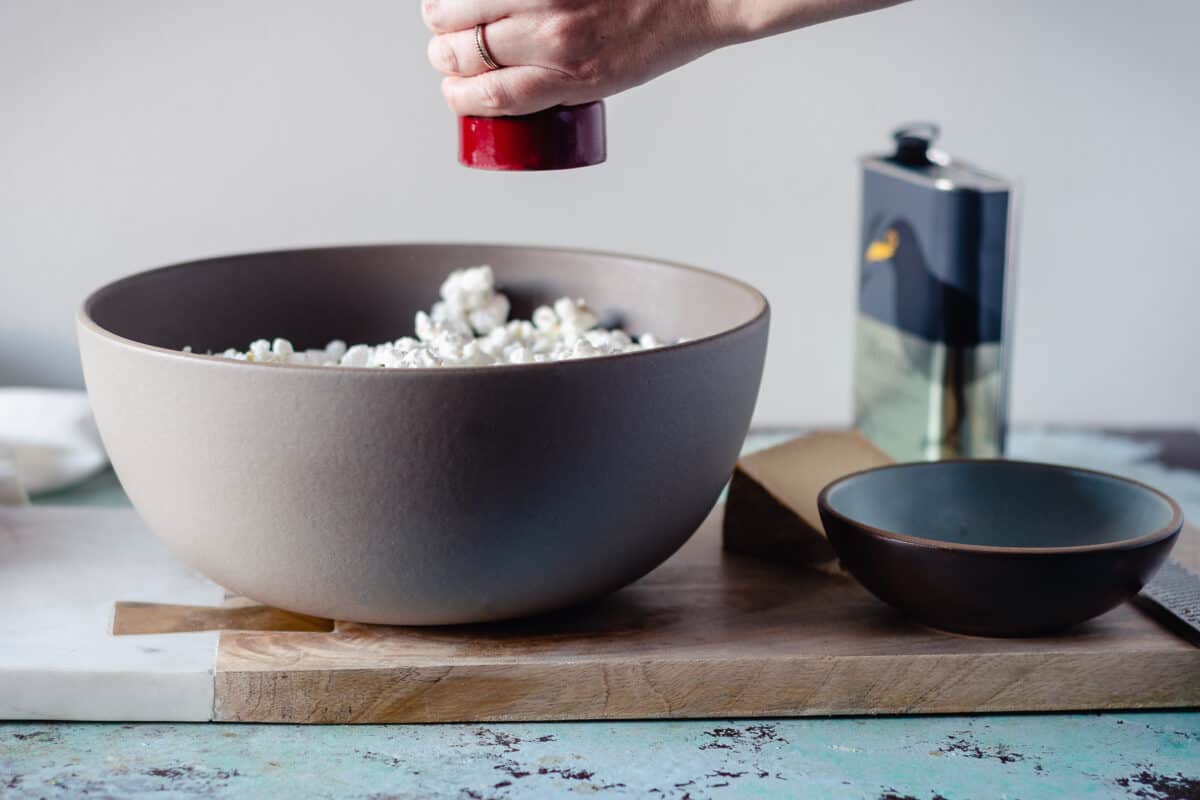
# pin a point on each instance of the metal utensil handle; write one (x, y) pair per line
(1174, 595)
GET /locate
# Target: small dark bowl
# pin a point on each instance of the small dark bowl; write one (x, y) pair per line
(998, 548)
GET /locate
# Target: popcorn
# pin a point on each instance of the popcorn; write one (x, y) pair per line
(544, 319)
(574, 317)
(582, 349)
(468, 327)
(419, 358)
(426, 327)
(357, 356)
(518, 354)
(489, 316)
(336, 349)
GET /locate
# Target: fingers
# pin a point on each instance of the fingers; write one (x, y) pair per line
(446, 16)
(457, 54)
(506, 92)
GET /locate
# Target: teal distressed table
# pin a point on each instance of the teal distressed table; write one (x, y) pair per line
(1135, 755)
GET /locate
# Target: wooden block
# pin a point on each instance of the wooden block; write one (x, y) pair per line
(707, 634)
(771, 511)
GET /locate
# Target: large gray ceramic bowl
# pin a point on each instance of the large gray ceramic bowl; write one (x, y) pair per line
(425, 496)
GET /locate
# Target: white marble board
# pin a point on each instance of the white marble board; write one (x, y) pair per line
(61, 569)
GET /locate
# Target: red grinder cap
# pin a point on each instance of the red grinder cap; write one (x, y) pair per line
(562, 137)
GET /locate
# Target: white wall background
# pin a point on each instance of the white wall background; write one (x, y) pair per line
(138, 133)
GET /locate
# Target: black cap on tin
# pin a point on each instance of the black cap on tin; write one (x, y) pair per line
(913, 142)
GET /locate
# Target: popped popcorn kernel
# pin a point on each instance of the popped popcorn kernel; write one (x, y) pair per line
(468, 326)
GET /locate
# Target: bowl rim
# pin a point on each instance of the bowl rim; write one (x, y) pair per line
(85, 321)
(1170, 529)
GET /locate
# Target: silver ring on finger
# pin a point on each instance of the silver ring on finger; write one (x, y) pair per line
(481, 46)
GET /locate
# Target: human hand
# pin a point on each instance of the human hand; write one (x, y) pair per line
(565, 52)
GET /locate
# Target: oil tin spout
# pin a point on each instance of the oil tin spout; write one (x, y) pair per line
(913, 142)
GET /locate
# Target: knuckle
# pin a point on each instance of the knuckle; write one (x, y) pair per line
(588, 71)
(443, 55)
(573, 45)
(561, 34)
(494, 95)
(452, 97)
(431, 12)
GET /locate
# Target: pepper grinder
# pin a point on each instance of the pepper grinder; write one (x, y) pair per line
(563, 137)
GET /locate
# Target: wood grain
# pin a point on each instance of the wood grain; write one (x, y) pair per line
(708, 634)
(131, 618)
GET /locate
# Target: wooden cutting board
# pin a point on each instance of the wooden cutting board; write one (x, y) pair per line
(708, 634)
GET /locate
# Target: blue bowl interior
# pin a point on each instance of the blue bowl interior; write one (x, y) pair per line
(1001, 504)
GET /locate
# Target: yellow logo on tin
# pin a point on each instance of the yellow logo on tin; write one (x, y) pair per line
(883, 249)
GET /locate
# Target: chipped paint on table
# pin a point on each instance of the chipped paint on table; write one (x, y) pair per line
(1151, 755)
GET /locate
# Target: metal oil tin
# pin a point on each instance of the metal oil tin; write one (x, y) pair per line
(931, 361)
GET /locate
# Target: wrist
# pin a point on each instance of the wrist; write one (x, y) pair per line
(730, 22)
(746, 20)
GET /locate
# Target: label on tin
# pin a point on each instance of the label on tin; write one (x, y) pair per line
(933, 261)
